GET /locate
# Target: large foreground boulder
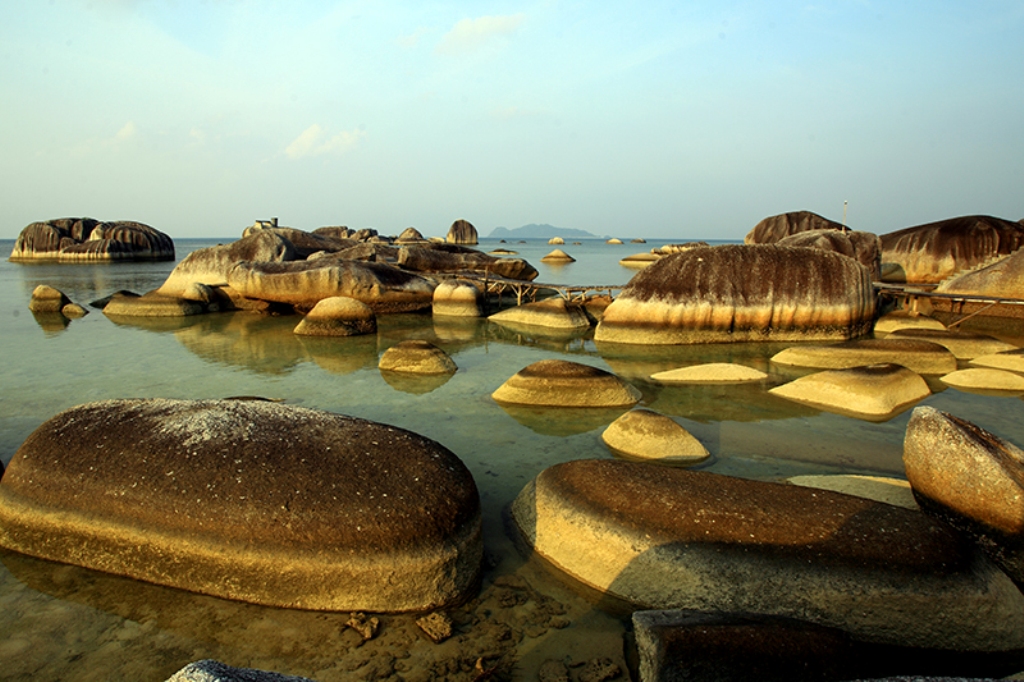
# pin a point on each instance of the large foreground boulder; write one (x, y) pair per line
(927, 254)
(742, 293)
(778, 227)
(248, 500)
(86, 239)
(662, 537)
(970, 478)
(303, 283)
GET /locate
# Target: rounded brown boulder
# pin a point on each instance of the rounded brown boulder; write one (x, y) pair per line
(660, 537)
(462, 232)
(737, 292)
(248, 500)
(777, 227)
(561, 383)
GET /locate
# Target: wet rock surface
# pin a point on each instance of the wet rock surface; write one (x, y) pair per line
(920, 355)
(417, 357)
(561, 383)
(338, 316)
(870, 391)
(555, 313)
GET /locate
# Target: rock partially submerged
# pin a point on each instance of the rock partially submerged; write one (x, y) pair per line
(560, 383)
(558, 256)
(211, 265)
(644, 434)
(86, 239)
(1011, 360)
(338, 316)
(962, 345)
(870, 392)
(985, 379)
(906, 319)
(707, 294)
(47, 299)
(454, 298)
(248, 500)
(923, 357)
(555, 313)
(710, 373)
(417, 357)
(662, 537)
(153, 304)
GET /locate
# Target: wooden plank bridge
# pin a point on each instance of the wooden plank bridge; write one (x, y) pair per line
(528, 291)
(968, 305)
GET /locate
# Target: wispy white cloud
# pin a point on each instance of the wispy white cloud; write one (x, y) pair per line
(315, 141)
(128, 131)
(413, 38)
(469, 35)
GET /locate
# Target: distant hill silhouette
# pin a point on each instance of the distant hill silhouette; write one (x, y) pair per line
(540, 232)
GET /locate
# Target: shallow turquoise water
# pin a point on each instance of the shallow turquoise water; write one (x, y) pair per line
(103, 626)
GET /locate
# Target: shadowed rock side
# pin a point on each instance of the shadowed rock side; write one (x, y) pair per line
(432, 259)
(776, 227)
(742, 293)
(863, 247)
(462, 232)
(972, 480)
(302, 283)
(86, 239)
(1002, 279)
(927, 254)
(671, 538)
(211, 265)
(304, 243)
(248, 500)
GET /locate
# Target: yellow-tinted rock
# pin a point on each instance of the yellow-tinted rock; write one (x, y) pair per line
(873, 391)
(338, 316)
(458, 299)
(153, 304)
(644, 434)
(924, 357)
(904, 319)
(558, 256)
(560, 383)
(712, 373)
(47, 299)
(895, 491)
(985, 378)
(418, 357)
(961, 344)
(555, 313)
(556, 241)
(640, 260)
(1011, 360)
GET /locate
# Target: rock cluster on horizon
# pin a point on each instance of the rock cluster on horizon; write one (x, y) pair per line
(87, 239)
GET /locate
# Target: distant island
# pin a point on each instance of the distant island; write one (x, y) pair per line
(540, 231)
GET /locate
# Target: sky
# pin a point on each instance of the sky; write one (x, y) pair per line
(677, 120)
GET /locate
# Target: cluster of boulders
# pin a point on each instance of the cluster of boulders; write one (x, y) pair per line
(90, 240)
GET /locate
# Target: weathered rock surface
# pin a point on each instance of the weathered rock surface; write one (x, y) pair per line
(47, 299)
(640, 260)
(1012, 360)
(458, 299)
(895, 491)
(417, 357)
(663, 537)
(645, 434)
(462, 232)
(560, 383)
(209, 670)
(872, 391)
(303, 283)
(153, 304)
(963, 345)
(928, 254)
(558, 256)
(212, 264)
(433, 259)
(303, 243)
(410, 234)
(86, 239)
(710, 373)
(863, 247)
(778, 227)
(1002, 279)
(986, 379)
(248, 500)
(707, 294)
(923, 357)
(971, 479)
(905, 319)
(556, 313)
(338, 316)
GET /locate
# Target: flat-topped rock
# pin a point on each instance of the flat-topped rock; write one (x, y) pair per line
(1011, 360)
(905, 319)
(963, 345)
(302, 284)
(417, 357)
(561, 383)
(870, 392)
(663, 537)
(338, 316)
(453, 298)
(707, 294)
(895, 491)
(921, 356)
(556, 313)
(645, 434)
(640, 260)
(971, 479)
(152, 304)
(710, 373)
(248, 500)
(985, 378)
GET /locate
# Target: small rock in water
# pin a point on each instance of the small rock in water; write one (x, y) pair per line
(437, 626)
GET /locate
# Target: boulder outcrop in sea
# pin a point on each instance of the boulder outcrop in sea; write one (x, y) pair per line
(248, 500)
(338, 316)
(553, 313)
(87, 239)
(462, 232)
(777, 227)
(433, 258)
(417, 356)
(561, 383)
(757, 292)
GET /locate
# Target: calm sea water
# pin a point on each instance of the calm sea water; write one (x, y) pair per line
(60, 622)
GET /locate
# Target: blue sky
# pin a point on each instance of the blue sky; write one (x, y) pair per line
(661, 120)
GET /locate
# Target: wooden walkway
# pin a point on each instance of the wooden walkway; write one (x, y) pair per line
(524, 290)
(957, 303)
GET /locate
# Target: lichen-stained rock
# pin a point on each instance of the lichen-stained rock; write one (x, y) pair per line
(928, 254)
(86, 239)
(663, 537)
(970, 478)
(152, 304)
(645, 434)
(248, 500)
(417, 357)
(985, 379)
(870, 392)
(302, 284)
(303, 243)
(863, 247)
(462, 232)
(561, 383)
(777, 227)
(458, 299)
(923, 357)
(1004, 278)
(963, 345)
(437, 258)
(211, 265)
(556, 313)
(759, 292)
(338, 316)
(710, 373)
(47, 299)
